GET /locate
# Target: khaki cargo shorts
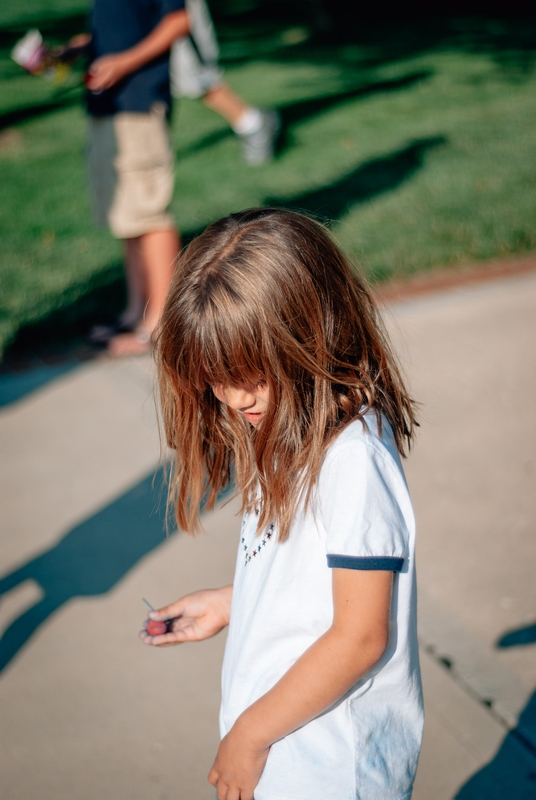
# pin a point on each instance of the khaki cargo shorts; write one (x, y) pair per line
(131, 172)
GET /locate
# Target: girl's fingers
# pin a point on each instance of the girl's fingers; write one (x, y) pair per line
(161, 640)
(167, 612)
(212, 777)
(226, 792)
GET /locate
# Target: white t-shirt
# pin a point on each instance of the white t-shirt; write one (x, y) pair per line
(366, 746)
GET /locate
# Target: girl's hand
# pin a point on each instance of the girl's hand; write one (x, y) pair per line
(194, 617)
(239, 764)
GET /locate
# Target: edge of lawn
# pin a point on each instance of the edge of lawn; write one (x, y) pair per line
(393, 290)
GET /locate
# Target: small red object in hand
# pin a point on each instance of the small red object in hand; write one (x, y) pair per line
(157, 628)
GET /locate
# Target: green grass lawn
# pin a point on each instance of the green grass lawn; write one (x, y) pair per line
(414, 139)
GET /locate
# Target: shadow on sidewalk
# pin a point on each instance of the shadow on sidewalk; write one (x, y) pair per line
(15, 386)
(90, 559)
(511, 775)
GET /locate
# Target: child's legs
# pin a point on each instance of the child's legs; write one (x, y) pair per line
(150, 262)
(101, 156)
(159, 250)
(225, 102)
(140, 162)
(136, 288)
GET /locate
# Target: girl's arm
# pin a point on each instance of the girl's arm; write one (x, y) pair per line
(333, 664)
(196, 616)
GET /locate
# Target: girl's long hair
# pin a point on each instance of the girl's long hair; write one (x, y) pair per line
(265, 294)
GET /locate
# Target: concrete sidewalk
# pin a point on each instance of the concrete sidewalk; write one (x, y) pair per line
(88, 712)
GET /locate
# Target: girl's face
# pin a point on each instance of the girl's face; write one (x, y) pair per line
(251, 401)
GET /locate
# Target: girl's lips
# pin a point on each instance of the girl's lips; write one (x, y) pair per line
(252, 416)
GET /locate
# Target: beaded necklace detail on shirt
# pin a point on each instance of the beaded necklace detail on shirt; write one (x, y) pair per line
(254, 551)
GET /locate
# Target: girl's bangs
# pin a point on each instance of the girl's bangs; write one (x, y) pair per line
(222, 358)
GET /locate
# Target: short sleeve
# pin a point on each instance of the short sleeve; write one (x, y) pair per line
(365, 509)
(169, 6)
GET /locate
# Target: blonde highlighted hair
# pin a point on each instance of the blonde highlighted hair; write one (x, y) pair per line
(266, 294)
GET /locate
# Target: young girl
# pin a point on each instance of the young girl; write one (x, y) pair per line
(274, 373)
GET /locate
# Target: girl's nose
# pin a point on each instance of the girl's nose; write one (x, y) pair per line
(239, 399)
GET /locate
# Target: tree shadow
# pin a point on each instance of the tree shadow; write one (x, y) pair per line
(363, 183)
(508, 36)
(90, 559)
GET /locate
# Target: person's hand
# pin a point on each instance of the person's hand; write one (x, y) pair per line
(194, 617)
(106, 71)
(239, 764)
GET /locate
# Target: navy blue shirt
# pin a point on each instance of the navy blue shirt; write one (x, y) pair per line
(117, 25)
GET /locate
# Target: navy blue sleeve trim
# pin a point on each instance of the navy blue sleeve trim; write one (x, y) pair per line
(389, 563)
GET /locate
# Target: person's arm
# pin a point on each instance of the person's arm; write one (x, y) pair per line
(196, 616)
(106, 71)
(355, 642)
(76, 46)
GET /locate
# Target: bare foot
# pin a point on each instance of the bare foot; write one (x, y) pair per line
(136, 343)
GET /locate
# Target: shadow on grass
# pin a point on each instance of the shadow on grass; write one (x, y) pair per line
(353, 45)
(507, 35)
(301, 110)
(100, 298)
(90, 559)
(56, 28)
(18, 115)
(51, 346)
(363, 183)
(310, 108)
(104, 301)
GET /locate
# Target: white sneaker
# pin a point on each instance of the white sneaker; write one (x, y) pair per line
(258, 147)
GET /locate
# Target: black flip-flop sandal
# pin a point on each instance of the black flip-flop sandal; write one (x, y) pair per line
(101, 334)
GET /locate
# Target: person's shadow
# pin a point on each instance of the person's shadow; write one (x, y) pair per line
(90, 559)
(365, 182)
(511, 775)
